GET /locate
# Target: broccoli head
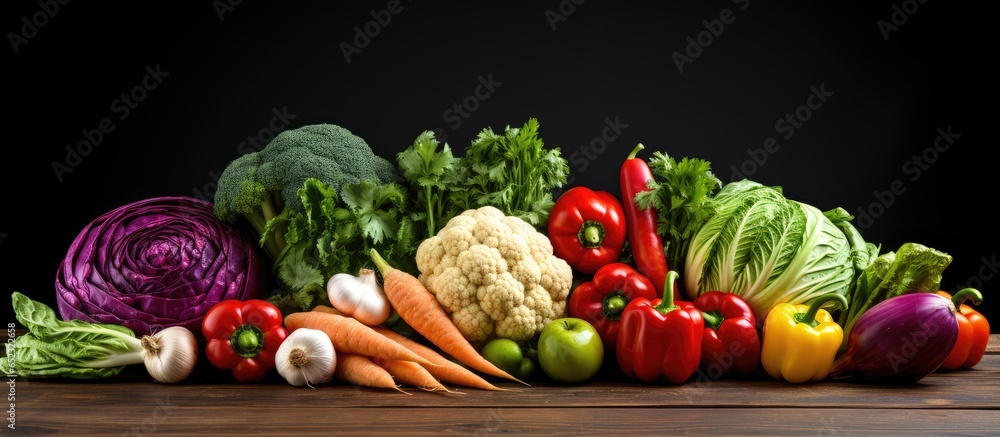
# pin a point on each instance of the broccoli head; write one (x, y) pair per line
(260, 185)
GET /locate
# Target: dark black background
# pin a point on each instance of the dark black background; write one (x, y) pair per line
(229, 69)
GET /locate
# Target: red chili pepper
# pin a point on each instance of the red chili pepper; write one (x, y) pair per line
(660, 338)
(643, 239)
(973, 331)
(730, 343)
(243, 336)
(601, 300)
(587, 228)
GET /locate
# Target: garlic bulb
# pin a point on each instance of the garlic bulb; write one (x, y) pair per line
(306, 357)
(359, 296)
(170, 355)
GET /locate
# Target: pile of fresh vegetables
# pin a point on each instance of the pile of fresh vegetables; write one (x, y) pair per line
(439, 272)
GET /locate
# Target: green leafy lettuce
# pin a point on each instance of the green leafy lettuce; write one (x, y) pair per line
(769, 250)
(72, 348)
(913, 267)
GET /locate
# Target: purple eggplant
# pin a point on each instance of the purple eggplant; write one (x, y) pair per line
(900, 340)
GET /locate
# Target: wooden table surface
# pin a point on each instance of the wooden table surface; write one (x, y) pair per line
(952, 403)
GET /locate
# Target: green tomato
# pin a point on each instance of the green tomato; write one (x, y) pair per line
(570, 350)
(507, 355)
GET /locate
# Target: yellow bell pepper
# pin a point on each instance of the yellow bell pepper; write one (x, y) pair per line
(800, 342)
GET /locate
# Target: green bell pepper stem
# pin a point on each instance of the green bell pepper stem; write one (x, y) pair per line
(713, 319)
(809, 317)
(635, 151)
(613, 305)
(967, 294)
(247, 341)
(667, 303)
(591, 234)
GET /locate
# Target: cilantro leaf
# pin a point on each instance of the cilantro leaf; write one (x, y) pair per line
(377, 208)
(430, 173)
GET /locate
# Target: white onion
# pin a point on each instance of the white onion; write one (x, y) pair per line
(306, 357)
(170, 355)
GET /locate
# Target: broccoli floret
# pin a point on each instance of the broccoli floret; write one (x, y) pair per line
(260, 185)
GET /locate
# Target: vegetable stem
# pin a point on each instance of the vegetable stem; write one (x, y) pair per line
(382, 265)
(614, 304)
(430, 212)
(591, 234)
(966, 294)
(667, 303)
(635, 151)
(247, 340)
(713, 319)
(809, 317)
(134, 355)
(270, 209)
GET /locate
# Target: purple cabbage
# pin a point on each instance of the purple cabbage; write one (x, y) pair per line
(157, 263)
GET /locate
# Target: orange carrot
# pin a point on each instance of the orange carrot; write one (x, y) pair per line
(421, 310)
(408, 372)
(351, 336)
(360, 370)
(445, 370)
(329, 309)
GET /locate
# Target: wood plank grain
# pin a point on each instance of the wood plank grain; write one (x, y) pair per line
(175, 418)
(977, 388)
(953, 403)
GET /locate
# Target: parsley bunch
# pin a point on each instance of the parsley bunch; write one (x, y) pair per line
(512, 171)
(681, 192)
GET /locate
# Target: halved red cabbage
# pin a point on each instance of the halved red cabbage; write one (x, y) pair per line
(156, 263)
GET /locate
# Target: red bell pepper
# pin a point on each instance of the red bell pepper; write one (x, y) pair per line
(243, 336)
(587, 228)
(973, 331)
(730, 343)
(601, 300)
(643, 239)
(660, 338)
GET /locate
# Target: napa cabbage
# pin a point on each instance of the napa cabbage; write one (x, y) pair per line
(770, 249)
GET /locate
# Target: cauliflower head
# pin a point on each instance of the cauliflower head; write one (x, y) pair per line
(495, 275)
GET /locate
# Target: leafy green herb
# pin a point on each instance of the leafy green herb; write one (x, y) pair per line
(681, 193)
(334, 233)
(432, 174)
(514, 172)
